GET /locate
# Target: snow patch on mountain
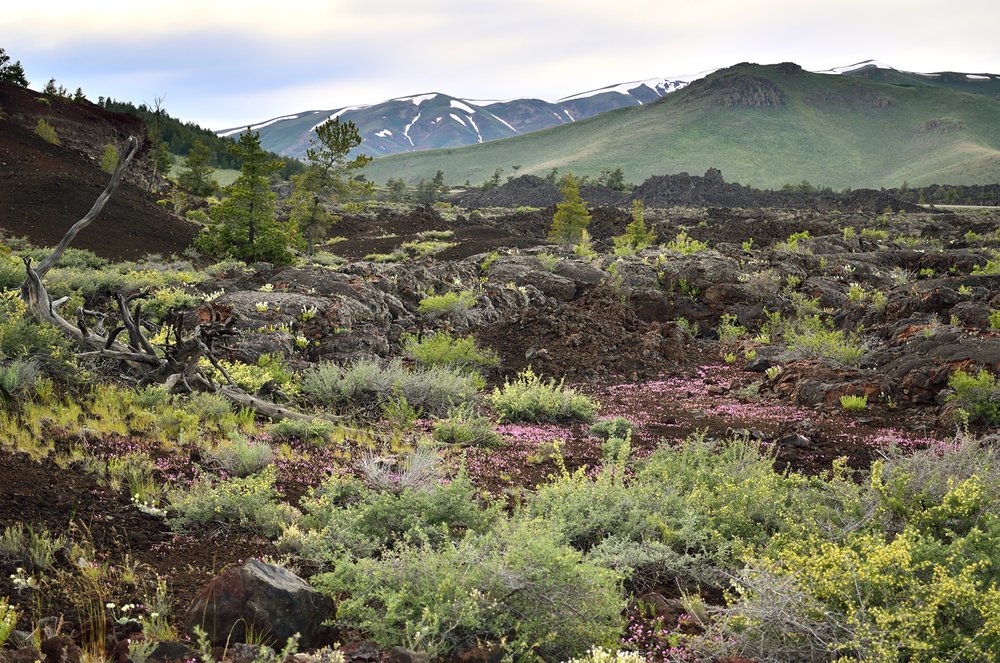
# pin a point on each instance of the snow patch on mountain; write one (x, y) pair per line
(479, 136)
(658, 85)
(458, 119)
(406, 129)
(504, 122)
(255, 127)
(385, 133)
(854, 67)
(418, 99)
(454, 103)
(338, 114)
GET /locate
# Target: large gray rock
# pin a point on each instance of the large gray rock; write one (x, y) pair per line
(263, 598)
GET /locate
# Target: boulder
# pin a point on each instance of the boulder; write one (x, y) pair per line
(259, 597)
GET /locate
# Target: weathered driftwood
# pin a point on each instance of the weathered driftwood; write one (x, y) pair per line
(176, 366)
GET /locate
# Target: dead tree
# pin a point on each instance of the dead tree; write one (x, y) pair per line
(176, 366)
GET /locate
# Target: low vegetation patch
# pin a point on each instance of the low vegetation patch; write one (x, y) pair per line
(530, 398)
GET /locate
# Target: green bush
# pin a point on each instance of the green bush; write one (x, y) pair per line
(619, 427)
(240, 458)
(449, 302)
(432, 390)
(529, 398)
(978, 395)
(245, 504)
(442, 349)
(465, 427)
(109, 158)
(345, 517)
(316, 430)
(685, 244)
(811, 338)
(516, 586)
(8, 619)
(46, 132)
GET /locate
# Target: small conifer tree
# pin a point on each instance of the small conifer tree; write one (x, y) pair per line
(46, 132)
(571, 217)
(637, 235)
(109, 158)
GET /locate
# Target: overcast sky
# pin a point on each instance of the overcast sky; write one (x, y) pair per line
(226, 63)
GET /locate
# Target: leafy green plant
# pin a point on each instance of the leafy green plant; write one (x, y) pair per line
(8, 619)
(432, 389)
(619, 427)
(729, 330)
(443, 349)
(792, 243)
(109, 158)
(852, 403)
(516, 584)
(22, 545)
(448, 303)
(46, 132)
(994, 320)
(637, 235)
(240, 458)
(247, 504)
(529, 398)
(810, 337)
(548, 261)
(685, 244)
(978, 395)
(488, 261)
(465, 427)
(315, 430)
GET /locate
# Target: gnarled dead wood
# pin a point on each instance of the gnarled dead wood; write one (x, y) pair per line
(176, 366)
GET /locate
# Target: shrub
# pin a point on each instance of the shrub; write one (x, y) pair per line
(46, 132)
(167, 300)
(529, 398)
(245, 504)
(851, 403)
(449, 302)
(17, 380)
(619, 427)
(109, 158)
(240, 458)
(637, 235)
(516, 586)
(685, 244)
(978, 395)
(811, 338)
(21, 545)
(433, 389)
(346, 517)
(729, 329)
(316, 430)
(442, 349)
(465, 427)
(8, 619)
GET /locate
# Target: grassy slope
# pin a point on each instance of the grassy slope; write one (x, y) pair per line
(828, 132)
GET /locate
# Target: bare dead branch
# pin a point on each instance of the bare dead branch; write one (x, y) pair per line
(49, 262)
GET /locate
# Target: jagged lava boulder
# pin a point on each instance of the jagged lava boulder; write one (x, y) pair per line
(261, 598)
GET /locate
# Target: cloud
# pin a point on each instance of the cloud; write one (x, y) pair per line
(225, 62)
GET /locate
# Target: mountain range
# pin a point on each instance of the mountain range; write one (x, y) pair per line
(436, 120)
(765, 125)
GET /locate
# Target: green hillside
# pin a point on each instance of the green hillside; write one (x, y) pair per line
(765, 125)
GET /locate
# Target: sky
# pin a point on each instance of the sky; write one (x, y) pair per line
(230, 63)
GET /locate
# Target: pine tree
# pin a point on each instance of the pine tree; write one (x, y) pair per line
(196, 177)
(327, 179)
(637, 235)
(11, 72)
(244, 225)
(571, 217)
